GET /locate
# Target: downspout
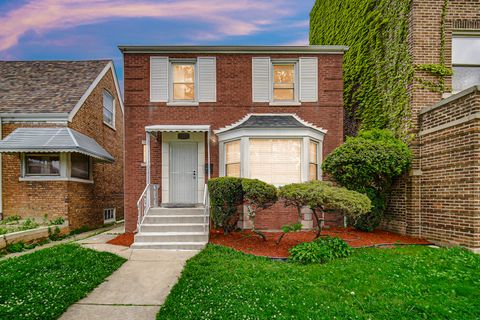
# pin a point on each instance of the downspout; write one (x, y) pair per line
(1, 177)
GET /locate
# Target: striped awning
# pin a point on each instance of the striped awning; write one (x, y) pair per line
(53, 140)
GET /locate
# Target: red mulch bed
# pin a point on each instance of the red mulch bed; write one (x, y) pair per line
(249, 242)
(125, 239)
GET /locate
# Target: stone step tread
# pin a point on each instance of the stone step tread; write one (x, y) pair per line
(170, 216)
(179, 233)
(170, 243)
(174, 224)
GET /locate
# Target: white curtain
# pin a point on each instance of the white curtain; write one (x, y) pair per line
(276, 161)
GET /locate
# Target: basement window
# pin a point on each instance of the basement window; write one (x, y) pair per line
(108, 215)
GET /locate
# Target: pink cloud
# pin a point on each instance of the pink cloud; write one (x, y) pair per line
(228, 18)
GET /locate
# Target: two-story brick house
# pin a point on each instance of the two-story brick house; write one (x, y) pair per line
(194, 112)
(62, 148)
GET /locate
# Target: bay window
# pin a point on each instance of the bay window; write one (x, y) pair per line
(465, 61)
(42, 165)
(56, 166)
(232, 159)
(80, 166)
(276, 161)
(313, 161)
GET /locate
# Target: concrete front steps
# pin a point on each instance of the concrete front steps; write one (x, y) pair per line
(173, 229)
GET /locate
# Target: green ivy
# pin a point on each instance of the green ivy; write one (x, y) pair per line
(377, 68)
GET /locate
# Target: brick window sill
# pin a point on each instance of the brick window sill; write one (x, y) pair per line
(52, 179)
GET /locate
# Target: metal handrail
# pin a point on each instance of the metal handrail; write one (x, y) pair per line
(206, 212)
(148, 199)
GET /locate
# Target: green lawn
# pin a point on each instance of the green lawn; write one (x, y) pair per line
(42, 285)
(401, 283)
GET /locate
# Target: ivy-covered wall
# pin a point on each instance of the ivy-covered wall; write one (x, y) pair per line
(377, 68)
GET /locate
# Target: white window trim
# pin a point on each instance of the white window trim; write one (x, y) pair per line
(296, 84)
(182, 103)
(244, 135)
(112, 126)
(114, 215)
(65, 170)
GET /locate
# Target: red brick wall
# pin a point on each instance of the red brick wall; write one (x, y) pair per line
(82, 203)
(28, 198)
(87, 201)
(234, 101)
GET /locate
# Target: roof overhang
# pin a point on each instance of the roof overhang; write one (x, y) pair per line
(47, 140)
(178, 128)
(237, 130)
(314, 49)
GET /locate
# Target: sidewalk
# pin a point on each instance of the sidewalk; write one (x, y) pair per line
(136, 290)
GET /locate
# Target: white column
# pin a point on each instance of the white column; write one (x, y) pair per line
(208, 151)
(245, 157)
(147, 140)
(304, 159)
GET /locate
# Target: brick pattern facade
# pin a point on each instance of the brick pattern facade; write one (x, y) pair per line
(450, 180)
(81, 203)
(234, 101)
(407, 211)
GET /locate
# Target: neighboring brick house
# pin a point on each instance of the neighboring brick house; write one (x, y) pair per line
(62, 148)
(267, 112)
(439, 198)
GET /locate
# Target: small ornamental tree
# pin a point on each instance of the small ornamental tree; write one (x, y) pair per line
(368, 164)
(320, 196)
(226, 195)
(257, 196)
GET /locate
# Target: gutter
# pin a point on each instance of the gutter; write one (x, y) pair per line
(314, 49)
(32, 117)
(1, 176)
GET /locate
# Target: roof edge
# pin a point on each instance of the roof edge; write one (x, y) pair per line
(313, 49)
(234, 125)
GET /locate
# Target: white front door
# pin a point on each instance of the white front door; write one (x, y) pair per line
(183, 172)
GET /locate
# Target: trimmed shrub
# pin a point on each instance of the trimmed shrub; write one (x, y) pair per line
(257, 196)
(368, 164)
(320, 251)
(225, 195)
(320, 196)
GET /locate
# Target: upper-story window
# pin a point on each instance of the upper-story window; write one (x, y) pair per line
(108, 108)
(284, 81)
(287, 82)
(465, 61)
(183, 81)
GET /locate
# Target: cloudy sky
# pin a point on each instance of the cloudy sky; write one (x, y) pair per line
(92, 29)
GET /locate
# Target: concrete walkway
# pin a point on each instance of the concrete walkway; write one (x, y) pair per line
(137, 289)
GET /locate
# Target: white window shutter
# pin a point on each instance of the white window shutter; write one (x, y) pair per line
(261, 79)
(159, 79)
(308, 79)
(207, 79)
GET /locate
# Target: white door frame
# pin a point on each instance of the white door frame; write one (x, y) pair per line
(188, 184)
(167, 138)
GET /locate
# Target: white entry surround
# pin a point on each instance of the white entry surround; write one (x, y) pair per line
(170, 136)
